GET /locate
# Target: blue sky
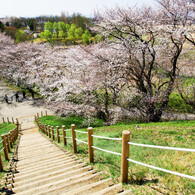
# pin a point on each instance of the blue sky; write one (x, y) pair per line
(32, 8)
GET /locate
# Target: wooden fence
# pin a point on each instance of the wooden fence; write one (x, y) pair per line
(49, 131)
(8, 140)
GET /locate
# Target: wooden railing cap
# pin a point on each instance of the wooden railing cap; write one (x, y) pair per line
(126, 132)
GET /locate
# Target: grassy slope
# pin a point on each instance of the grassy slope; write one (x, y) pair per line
(5, 128)
(142, 179)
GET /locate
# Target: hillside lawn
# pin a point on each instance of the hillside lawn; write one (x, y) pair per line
(141, 179)
(5, 128)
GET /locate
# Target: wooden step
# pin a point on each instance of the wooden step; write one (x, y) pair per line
(112, 190)
(47, 167)
(40, 155)
(66, 183)
(42, 164)
(34, 164)
(30, 175)
(48, 180)
(74, 169)
(91, 188)
(28, 162)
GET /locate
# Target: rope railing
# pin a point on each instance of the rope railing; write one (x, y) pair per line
(161, 169)
(81, 141)
(109, 138)
(162, 147)
(125, 148)
(106, 151)
(80, 131)
(2, 149)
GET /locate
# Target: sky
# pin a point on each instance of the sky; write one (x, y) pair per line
(33, 8)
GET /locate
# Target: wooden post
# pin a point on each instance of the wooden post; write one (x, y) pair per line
(10, 139)
(52, 131)
(64, 135)
(45, 113)
(17, 124)
(90, 144)
(41, 113)
(49, 131)
(41, 126)
(8, 143)
(46, 130)
(1, 163)
(5, 147)
(13, 120)
(74, 143)
(3, 119)
(37, 115)
(16, 132)
(48, 126)
(125, 155)
(8, 120)
(13, 135)
(57, 131)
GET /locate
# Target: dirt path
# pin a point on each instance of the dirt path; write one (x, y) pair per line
(24, 110)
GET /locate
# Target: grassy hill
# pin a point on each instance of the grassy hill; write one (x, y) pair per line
(141, 179)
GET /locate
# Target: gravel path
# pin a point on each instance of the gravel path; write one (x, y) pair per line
(23, 110)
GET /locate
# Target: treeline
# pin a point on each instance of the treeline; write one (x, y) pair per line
(37, 23)
(17, 28)
(65, 32)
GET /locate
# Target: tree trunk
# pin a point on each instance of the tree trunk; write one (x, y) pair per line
(152, 114)
(106, 106)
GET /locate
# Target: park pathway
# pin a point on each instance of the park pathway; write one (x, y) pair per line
(24, 110)
(43, 168)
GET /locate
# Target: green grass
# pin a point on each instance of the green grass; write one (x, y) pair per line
(141, 179)
(177, 104)
(77, 120)
(5, 128)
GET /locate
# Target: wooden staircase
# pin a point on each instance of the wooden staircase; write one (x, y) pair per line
(43, 168)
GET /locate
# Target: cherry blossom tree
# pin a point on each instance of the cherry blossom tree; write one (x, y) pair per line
(152, 42)
(21, 63)
(136, 62)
